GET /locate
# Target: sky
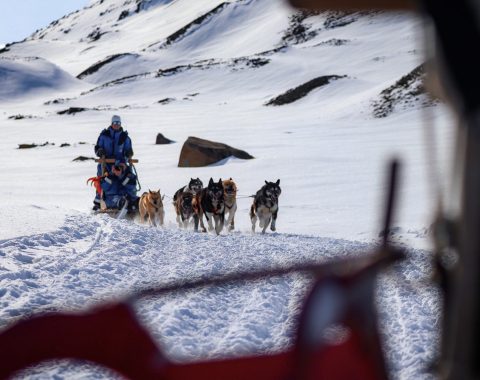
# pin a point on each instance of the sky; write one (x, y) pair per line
(327, 148)
(20, 18)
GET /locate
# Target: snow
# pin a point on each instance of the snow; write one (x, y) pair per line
(327, 149)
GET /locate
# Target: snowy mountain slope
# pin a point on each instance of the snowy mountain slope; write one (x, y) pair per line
(223, 63)
(21, 76)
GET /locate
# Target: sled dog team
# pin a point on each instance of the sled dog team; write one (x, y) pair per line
(217, 203)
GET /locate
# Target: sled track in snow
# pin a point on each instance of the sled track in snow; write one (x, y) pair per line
(92, 259)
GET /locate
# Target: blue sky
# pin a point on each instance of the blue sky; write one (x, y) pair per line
(20, 18)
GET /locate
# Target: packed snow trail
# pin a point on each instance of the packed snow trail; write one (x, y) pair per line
(89, 260)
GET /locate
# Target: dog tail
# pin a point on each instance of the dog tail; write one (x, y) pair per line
(252, 210)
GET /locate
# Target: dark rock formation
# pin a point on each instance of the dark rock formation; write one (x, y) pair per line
(299, 92)
(161, 139)
(33, 145)
(199, 152)
(408, 92)
(72, 111)
(98, 65)
(179, 34)
(83, 158)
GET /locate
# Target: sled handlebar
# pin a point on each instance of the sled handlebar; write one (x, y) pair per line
(112, 160)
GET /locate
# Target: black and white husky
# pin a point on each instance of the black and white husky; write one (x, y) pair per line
(265, 206)
(194, 186)
(211, 203)
(184, 208)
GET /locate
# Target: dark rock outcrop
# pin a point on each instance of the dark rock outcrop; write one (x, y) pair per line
(408, 92)
(161, 139)
(199, 152)
(72, 111)
(98, 65)
(33, 145)
(299, 92)
(179, 34)
(83, 158)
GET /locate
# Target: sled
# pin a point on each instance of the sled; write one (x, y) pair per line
(122, 213)
(112, 160)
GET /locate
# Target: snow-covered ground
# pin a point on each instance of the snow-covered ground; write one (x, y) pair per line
(327, 148)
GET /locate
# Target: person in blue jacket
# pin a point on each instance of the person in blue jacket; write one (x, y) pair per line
(120, 185)
(114, 143)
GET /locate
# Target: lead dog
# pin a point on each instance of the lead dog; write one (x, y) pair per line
(184, 208)
(151, 207)
(265, 206)
(210, 201)
(230, 195)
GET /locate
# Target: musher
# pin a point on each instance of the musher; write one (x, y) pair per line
(114, 143)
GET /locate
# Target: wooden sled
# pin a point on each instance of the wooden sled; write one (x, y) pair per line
(112, 160)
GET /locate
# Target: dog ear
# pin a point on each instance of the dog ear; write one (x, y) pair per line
(266, 182)
(220, 181)
(210, 182)
(150, 191)
(278, 182)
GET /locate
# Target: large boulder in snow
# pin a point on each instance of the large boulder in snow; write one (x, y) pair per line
(198, 152)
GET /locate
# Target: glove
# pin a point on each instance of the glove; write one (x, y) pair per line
(100, 152)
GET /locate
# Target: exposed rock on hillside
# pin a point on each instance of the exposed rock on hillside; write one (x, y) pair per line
(407, 92)
(72, 111)
(337, 19)
(33, 145)
(20, 117)
(199, 152)
(299, 92)
(95, 35)
(145, 4)
(298, 31)
(333, 42)
(179, 34)
(98, 65)
(235, 64)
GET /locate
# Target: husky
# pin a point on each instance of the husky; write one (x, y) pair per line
(151, 207)
(193, 187)
(230, 195)
(184, 208)
(265, 206)
(210, 201)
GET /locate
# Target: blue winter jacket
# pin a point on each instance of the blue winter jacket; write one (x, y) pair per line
(115, 188)
(115, 144)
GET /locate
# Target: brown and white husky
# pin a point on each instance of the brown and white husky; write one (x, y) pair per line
(230, 200)
(151, 207)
